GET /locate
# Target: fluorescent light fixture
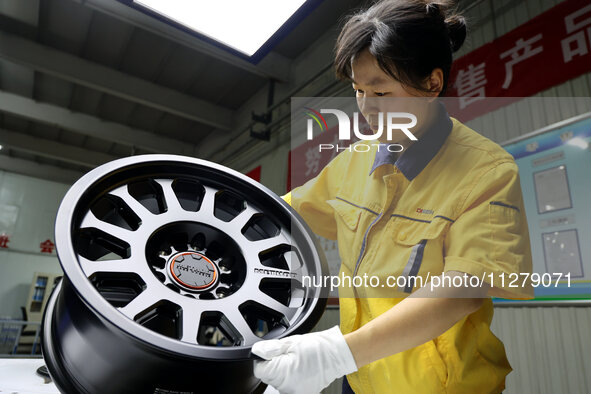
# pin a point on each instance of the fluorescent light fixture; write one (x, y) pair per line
(242, 25)
(1, 147)
(578, 142)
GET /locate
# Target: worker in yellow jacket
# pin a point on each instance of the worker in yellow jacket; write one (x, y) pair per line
(449, 205)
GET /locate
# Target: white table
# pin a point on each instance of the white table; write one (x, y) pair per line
(19, 376)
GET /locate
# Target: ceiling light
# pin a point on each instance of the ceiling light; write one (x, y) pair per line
(244, 26)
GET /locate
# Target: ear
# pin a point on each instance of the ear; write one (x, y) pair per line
(435, 83)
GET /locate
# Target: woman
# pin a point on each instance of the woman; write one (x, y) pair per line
(448, 206)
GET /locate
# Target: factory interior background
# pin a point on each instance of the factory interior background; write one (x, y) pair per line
(85, 82)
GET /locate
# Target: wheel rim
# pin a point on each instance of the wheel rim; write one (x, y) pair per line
(168, 248)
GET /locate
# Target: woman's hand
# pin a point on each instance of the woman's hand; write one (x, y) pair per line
(308, 363)
(304, 363)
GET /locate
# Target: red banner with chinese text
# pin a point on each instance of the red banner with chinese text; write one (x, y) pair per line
(551, 49)
(306, 161)
(255, 173)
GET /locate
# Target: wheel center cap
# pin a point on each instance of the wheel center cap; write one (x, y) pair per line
(193, 270)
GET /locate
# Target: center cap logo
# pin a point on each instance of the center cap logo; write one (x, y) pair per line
(193, 270)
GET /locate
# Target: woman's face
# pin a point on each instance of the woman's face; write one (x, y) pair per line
(377, 92)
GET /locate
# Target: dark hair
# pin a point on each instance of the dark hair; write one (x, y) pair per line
(409, 39)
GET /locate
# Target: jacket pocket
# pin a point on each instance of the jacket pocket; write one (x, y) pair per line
(437, 363)
(349, 214)
(421, 244)
(409, 233)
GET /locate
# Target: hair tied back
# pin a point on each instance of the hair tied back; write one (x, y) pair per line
(433, 9)
(456, 27)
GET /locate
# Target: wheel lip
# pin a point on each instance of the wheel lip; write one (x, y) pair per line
(81, 285)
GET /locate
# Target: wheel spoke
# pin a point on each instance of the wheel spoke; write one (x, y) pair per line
(119, 265)
(142, 212)
(208, 203)
(237, 320)
(243, 217)
(266, 244)
(172, 201)
(272, 303)
(139, 304)
(191, 322)
(91, 221)
(293, 260)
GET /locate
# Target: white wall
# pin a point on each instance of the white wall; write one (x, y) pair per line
(549, 348)
(16, 275)
(27, 211)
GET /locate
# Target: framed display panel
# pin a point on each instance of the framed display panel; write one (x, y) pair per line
(554, 164)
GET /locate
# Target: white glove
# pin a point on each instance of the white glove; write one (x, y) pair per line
(304, 363)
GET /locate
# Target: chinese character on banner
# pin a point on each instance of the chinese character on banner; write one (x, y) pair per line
(47, 246)
(581, 47)
(312, 161)
(516, 57)
(335, 142)
(4, 239)
(470, 84)
(255, 174)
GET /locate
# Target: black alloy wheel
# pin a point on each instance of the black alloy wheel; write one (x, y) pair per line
(173, 268)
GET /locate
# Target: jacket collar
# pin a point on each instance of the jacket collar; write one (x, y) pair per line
(416, 157)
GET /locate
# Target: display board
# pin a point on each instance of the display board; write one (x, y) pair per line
(555, 172)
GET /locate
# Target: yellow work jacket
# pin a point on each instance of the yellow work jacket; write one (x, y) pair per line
(451, 202)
